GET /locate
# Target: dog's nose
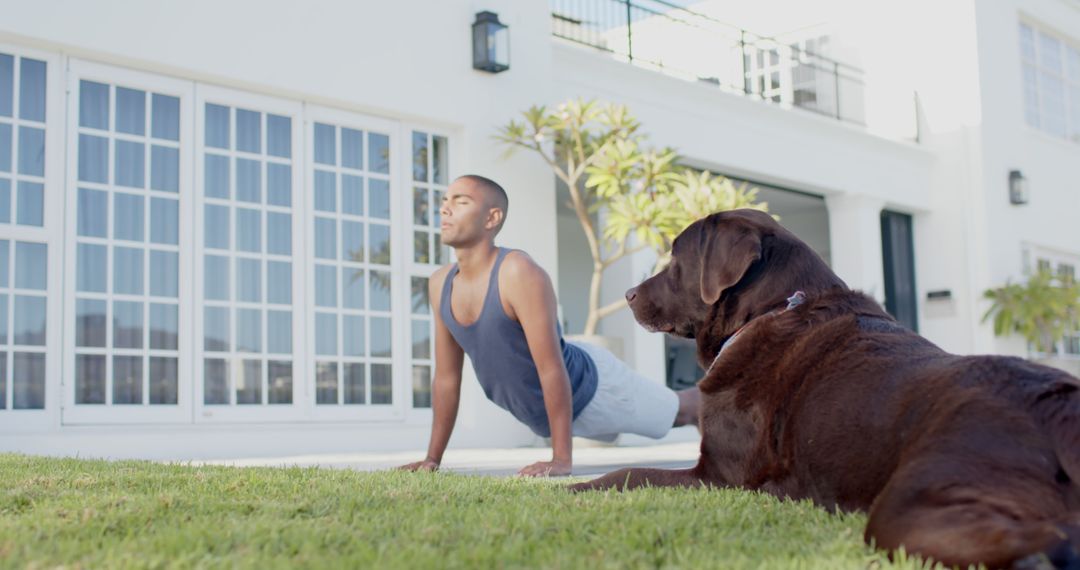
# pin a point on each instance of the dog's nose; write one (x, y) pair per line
(631, 294)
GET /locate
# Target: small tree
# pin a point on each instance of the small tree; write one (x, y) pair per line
(598, 152)
(1041, 310)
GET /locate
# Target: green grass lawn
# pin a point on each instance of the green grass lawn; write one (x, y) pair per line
(96, 514)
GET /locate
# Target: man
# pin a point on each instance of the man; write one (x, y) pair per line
(498, 306)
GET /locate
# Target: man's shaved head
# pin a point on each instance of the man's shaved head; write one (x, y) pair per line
(494, 195)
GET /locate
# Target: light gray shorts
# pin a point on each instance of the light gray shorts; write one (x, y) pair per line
(625, 401)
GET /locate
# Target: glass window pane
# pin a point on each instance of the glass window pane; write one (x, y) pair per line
(5, 200)
(421, 206)
(352, 149)
(325, 149)
(1050, 53)
(248, 230)
(278, 136)
(127, 379)
(31, 204)
(28, 381)
(130, 164)
(249, 382)
(31, 265)
(278, 233)
(216, 329)
(326, 285)
(91, 268)
(165, 220)
(5, 254)
(89, 379)
(29, 327)
(326, 385)
(165, 121)
(248, 330)
(5, 147)
(440, 160)
(420, 156)
(325, 238)
(353, 383)
(378, 153)
(420, 296)
(216, 278)
(380, 244)
(93, 159)
(325, 191)
(215, 381)
(165, 273)
(421, 247)
(3, 322)
(127, 271)
(128, 220)
(382, 388)
(130, 111)
(217, 176)
(278, 184)
(165, 168)
(436, 208)
(279, 332)
(93, 105)
(31, 89)
(7, 87)
(248, 180)
(249, 280)
(91, 323)
(421, 339)
(93, 213)
(279, 382)
(421, 386)
(127, 324)
(379, 198)
(217, 226)
(31, 151)
(352, 241)
(279, 282)
(352, 195)
(380, 337)
(380, 291)
(326, 334)
(248, 131)
(164, 326)
(217, 126)
(164, 380)
(353, 343)
(352, 288)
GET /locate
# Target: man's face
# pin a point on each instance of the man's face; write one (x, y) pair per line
(467, 217)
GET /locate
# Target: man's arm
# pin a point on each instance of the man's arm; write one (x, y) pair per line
(445, 384)
(532, 298)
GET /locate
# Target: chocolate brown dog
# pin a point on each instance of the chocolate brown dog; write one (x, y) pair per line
(963, 459)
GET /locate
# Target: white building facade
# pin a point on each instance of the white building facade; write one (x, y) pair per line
(217, 220)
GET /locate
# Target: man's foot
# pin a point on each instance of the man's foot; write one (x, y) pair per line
(689, 406)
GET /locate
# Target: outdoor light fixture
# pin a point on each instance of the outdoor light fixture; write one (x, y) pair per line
(1018, 188)
(490, 43)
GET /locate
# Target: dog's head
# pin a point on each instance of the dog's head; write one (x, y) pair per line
(725, 270)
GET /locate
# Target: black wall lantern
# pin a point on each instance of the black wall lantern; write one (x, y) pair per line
(1018, 188)
(490, 43)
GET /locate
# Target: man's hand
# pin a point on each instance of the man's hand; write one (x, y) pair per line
(547, 469)
(425, 465)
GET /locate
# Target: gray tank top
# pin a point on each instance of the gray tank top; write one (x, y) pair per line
(504, 366)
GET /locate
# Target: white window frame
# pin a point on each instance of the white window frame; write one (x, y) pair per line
(127, 414)
(302, 394)
(398, 299)
(1070, 85)
(52, 234)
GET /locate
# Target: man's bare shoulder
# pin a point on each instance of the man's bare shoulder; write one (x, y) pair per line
(518, 266)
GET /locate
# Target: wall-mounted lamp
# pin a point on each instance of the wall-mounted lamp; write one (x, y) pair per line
(1018, 188)
(490, 43)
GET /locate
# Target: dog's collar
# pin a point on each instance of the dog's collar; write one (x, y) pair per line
(793, 301)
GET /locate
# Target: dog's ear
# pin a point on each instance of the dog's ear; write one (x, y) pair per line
(726, 254)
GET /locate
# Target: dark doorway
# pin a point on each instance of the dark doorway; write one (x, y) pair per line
(898, 256)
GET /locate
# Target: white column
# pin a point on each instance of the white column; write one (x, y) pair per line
(855, 242)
